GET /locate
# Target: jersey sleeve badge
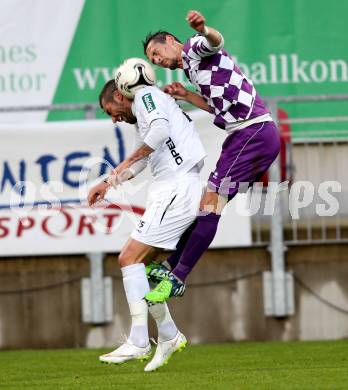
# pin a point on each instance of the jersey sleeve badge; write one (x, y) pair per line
(148, 102)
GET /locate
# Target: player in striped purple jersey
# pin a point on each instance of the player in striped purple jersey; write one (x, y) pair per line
(251, 145)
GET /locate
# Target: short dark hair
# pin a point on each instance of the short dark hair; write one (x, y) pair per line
(159, 36)
(107, 92)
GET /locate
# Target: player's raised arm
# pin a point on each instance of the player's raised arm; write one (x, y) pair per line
(197, 21)
(178, 91)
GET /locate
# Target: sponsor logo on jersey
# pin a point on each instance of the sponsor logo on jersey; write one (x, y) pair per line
(171, 146)
(148, 102)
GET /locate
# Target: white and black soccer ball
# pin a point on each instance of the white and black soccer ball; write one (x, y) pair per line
(133, 74)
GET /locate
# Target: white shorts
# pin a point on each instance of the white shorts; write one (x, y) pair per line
(171, 208)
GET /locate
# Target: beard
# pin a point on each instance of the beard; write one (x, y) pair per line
(173, 64)
(131, 119)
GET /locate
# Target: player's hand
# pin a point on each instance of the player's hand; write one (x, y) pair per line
(97, 193)
(196, 21)
(176, 90)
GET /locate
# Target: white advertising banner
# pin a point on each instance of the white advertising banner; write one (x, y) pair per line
(43, 188)
(35, 38)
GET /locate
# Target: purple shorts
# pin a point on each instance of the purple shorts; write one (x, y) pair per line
(246, 155)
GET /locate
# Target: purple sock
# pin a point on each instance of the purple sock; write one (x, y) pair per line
(174, 258)
(198, 242)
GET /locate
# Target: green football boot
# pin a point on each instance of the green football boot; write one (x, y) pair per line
(156, 272)
(171, 286)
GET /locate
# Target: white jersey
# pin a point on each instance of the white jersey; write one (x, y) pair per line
(183, 149)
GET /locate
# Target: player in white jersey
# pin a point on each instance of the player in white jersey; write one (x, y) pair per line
(170, 143)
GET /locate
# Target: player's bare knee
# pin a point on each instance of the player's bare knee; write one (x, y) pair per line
(125, 258)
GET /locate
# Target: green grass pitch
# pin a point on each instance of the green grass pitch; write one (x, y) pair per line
(268, 365)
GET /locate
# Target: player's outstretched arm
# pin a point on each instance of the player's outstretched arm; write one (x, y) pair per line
(197, 21)
(128, 173)
(178, 91)
(140, 153)
(159, 131)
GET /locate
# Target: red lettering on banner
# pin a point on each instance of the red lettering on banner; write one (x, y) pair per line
(85, 223)
(110, 222)
(4, 230)
(68, 223)
(24, 224)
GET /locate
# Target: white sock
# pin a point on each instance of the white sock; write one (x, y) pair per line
(167, 329)
(136, 286)
(165, 324)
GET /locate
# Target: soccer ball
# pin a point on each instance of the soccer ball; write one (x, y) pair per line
(133, 74)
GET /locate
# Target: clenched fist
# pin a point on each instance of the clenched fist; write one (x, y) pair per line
(176, 90)
(196, 21)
